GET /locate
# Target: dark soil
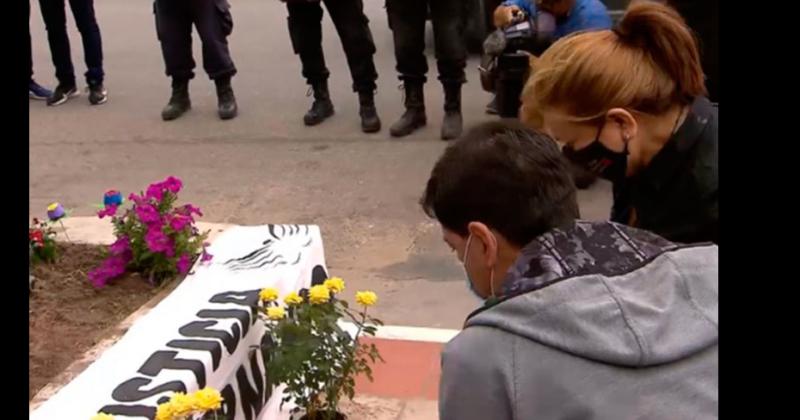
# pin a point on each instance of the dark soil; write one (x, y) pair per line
(68, 316)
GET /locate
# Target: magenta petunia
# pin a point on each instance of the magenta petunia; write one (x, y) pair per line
(189, 210)
(155, 191)
(205, 256)
(172, 184)
(157, 241)
(179, 222)
(109, 211)
(184, 264)
(120, 246)
(148, 214)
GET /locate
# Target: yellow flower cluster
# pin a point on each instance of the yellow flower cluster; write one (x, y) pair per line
(102, 416)
(366, 298)
(293, 299)
(182, 405)
(334, 284)
(268, 294)
(319, 294)
(276, 313)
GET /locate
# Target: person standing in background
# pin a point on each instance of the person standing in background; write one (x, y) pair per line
(214, 23)
(35, 90)
(55, 20)
(305, 31)
(407, 21)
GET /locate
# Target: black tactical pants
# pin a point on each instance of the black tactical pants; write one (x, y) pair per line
(407, 20)
(174, 20)
(305, 30)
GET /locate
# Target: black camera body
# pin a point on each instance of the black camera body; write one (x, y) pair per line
(506, 61)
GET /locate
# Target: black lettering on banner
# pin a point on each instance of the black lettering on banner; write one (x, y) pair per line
(243, 317)
(200, 329)
(211, 346)
(228, 402)
(161, 360)
(129, 410)
(247, 298)
(251, 398)
(131, 390)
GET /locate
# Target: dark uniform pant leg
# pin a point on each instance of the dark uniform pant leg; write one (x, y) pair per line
(407, 20)
(214, 24)
(30, 45)
(83, 12)
(305, 31)
(359, 47)
(448, 30)
(174, 29)
(55, 20)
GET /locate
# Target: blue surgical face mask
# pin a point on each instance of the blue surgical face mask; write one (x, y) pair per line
(470, 283)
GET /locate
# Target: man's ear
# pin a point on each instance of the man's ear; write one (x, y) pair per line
(484, 239)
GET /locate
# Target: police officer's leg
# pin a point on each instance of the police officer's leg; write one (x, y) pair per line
(451, 58)
(214, 24)
(55, 21)
(305, 31)
(83, 12)
(407, 20)
(174, 29)
(359, 47)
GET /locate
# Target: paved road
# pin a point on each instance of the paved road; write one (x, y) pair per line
(265, 166)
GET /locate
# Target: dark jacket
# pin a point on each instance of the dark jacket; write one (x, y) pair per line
(600, 321)
(677, 194)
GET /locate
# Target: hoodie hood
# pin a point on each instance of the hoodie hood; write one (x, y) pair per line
(612, 294)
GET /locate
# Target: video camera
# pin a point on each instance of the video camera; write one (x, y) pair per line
(506, 57)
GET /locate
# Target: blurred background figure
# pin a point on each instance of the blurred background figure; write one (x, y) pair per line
(35, 90)
(55, 20)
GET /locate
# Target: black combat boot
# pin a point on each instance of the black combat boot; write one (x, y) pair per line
(179, 103)
(452, 123)
(370, 123)
(322, 108)
(414, 117)
(226, 101)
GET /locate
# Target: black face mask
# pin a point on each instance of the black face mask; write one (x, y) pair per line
(600, 160)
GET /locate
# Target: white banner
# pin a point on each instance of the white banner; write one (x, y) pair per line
(201, 334)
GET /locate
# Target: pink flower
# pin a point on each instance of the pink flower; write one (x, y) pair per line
(111, 268)
(157, 241)
(179, 222)
(205, 256)
(109, 211)
(172, 184)
(189, 210)
(148, 214)
(184, 264)
(155, 191)
(135, 198)
(120, 246)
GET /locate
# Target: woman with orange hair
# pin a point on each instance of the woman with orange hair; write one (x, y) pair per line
(630, 105)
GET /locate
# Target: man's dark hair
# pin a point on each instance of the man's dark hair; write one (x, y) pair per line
(502, 174)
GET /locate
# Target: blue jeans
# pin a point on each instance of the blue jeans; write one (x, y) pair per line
(55, 20)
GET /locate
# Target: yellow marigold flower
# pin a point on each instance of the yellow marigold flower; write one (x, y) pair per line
(319, 294)
(366, 298)
(293, 299)
(268, 294)
(276, 313)
(165, 411)
(334, 284)
(208, 399)
(102, 416)
(182, 404)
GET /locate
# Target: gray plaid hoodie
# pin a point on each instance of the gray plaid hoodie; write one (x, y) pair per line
(598, 321)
